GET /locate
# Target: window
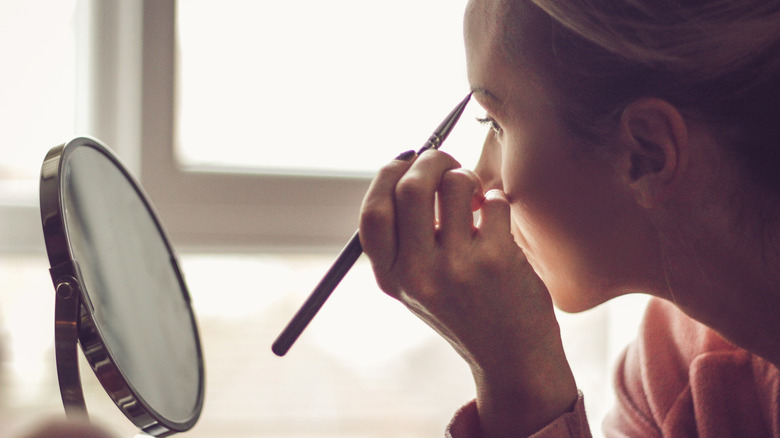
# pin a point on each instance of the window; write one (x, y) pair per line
(37, 112)
(312, 87)
(36, 105)
(255, 223)
(277, 105)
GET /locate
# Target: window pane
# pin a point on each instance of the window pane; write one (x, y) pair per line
(37, 89)
(324, 86)
(364, 366)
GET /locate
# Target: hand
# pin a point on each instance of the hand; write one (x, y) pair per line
(471, 283)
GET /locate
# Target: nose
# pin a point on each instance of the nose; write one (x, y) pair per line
(488, 167)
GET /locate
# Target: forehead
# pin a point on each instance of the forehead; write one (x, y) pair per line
(517, 29)
(483, 34)
(501, 50)
(484, 18)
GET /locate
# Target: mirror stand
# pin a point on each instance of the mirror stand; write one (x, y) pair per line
(67, 310)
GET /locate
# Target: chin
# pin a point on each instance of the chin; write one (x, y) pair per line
(576, 300)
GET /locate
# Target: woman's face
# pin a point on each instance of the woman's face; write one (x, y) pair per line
(572, 215)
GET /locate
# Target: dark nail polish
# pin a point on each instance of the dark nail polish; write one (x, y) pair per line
(406, 156)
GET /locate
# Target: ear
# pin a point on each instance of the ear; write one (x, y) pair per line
(654, 139)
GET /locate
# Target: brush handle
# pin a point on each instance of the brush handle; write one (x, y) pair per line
(318, 296)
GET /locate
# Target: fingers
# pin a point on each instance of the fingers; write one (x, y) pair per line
(397, 221)
(494, 213)
(415, 207)
(460, 194)
(378, 216)
(398, 229)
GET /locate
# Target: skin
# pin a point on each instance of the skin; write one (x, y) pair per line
(653, 211)
(576, 210)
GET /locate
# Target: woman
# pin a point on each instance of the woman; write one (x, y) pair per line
(634, 148)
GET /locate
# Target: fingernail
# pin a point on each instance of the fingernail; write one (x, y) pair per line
(496, 194)
(406, 156)
(476, 201)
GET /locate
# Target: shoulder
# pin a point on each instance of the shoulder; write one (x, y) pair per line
(668, 337)
(659, 361)
(681, 375)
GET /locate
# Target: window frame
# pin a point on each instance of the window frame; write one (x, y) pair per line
(205, 210)
(126, 98)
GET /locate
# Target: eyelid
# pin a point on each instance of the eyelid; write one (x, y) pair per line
(491, 122)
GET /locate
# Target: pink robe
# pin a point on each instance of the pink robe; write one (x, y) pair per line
(678, 379)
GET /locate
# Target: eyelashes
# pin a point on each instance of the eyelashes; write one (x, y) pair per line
(491, 123)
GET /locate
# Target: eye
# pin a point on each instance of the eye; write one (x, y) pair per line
(490, 122)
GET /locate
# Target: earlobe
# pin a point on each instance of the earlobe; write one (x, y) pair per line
(655, 141)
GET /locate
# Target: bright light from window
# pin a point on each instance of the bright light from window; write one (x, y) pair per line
(37, 88)
(319, 86)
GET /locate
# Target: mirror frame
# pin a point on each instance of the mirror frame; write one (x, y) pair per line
(74, 315)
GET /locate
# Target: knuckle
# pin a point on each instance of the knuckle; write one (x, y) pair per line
(375, 213)
(387, 284)
(458, 178)
(392, 168)
(410, 190)
(435, 154)
(463, 180)
(457, 267)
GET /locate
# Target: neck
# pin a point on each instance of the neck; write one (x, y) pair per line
(727, 280)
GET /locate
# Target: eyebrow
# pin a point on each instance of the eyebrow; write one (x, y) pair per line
(484, 92)
(488, 99)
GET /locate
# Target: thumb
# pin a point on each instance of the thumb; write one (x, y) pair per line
(494, 212)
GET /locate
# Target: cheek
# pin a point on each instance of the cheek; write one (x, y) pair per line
(561, 213)
(557, 249)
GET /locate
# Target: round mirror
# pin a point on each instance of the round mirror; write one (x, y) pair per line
(119, 292)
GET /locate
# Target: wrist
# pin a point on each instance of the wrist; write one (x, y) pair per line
(519, 400)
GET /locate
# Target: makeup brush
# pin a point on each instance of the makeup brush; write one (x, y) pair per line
(351, 252)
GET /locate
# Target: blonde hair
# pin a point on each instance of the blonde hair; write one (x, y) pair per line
(716, 60)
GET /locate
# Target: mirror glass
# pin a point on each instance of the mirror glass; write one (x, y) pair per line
(133, 296)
